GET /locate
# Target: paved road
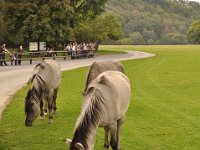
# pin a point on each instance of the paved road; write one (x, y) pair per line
(12, 78)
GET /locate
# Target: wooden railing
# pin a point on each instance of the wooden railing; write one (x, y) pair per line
(42, 55)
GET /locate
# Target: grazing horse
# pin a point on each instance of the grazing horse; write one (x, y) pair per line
(45, 81)
(98, 67)
(104, 105)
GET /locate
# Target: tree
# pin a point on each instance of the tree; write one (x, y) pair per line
(124, 41)
(48, 20)
(83, 9)
(2, 23)
(174, 38)
(149, 35)
(136, 38)
(103, 28)
(38, 20)
(194, 33)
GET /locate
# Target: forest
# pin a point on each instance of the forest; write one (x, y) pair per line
(154, 21)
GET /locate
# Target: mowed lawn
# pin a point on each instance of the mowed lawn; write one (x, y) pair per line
(164, 113)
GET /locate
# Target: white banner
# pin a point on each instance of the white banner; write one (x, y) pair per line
(43, 46)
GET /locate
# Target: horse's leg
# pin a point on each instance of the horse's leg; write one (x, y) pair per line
(41, 110)
(50, 106)
(106, 144)
(54, 99)
(119, 125)
(113, 133)
(45, 103)
(45, 107)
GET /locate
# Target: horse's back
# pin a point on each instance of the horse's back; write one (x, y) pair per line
(54, 66)
(99, 67)
(50, 71)
(115, 89)
(109, 65)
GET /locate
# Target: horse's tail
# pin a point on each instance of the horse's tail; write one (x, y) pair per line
(120, 67)
(41, 65)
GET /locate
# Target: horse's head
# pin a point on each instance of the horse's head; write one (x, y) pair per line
(31, 108)
(74, 145)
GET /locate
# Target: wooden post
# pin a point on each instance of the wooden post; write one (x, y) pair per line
(30, 58)
(65, 57)
(16, 58)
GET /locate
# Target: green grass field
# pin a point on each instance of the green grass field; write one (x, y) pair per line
(163, 115)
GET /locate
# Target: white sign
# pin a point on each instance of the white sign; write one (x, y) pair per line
(43, 46)
(33, 46)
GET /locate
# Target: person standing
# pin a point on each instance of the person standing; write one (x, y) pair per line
(19, 54)
(12, 57)
(1, 56)
(3, 51)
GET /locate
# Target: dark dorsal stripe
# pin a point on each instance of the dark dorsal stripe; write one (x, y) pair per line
(37, 65)
(88, 76)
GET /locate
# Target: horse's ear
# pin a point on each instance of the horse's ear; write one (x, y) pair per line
(79, 145)
(68, 141)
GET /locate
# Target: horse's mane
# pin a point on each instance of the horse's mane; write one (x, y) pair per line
(90, 117)
(88, 76)
(35, 92)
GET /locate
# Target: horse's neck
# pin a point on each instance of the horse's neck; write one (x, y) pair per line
(86, 138)
(91, 137)
(90, 118)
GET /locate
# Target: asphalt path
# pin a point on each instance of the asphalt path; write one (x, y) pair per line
(12, 78)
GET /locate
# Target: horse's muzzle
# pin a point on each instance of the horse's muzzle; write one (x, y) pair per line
(28, 123)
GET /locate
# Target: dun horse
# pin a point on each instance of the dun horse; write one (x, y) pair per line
(45, 81)
(104, 105)
(98, 67)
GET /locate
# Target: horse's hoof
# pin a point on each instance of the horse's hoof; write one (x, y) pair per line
(42, 117)
(106, 146)
(45, 114)
(50, 121)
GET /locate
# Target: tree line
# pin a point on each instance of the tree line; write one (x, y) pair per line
(110, 21)
(57, 21)
(155, 21)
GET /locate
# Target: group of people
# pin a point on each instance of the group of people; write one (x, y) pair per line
(73, 48)
(80, 47)
(80, 50)
(13, 55)
(51, 52)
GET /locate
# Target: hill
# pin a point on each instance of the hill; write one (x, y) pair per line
(154, 21)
